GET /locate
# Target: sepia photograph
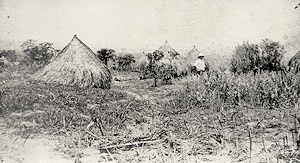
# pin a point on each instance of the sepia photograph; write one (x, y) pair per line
(142, 81)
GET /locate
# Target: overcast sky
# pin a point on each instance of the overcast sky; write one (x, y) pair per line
(144, 25)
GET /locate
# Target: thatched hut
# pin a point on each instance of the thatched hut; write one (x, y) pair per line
(192, 57)
(75, 65)
(173, 58)
(294, 63)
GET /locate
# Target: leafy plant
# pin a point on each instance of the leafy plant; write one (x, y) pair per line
(266, 55)
(125, 62)
(9, 54)
(37, 54)
(153, 68)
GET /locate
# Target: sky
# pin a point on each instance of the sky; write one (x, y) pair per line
(213, 26)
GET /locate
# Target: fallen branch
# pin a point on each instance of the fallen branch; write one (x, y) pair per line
(27, 137)
(133, 143)
(89, 132)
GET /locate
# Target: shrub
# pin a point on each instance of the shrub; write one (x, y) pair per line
(9, 54)
(125, 62)
(37, 55)
(266, 55)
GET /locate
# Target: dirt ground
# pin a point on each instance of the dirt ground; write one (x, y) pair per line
(36, 149)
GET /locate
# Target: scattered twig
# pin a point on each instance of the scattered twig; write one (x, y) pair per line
(16, 140)
(283, 141)
(28, 136)
(263, 141)
(133, 143)
(250, 137)
(109, 154)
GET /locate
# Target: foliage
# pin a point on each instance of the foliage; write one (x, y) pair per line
(156, 69)
(173, 54)
(125, 62)
(266, 55)
(38, 54)
(153, 67)
(105, 54)
(9, 54)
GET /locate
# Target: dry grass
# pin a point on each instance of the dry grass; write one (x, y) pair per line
(197, 118)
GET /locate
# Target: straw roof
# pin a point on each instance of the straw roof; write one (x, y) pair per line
(294, 63)
(75, 65)
(169, 58)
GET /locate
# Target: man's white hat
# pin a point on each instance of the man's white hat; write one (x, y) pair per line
(200, 55)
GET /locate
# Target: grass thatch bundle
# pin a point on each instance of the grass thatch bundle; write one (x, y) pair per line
(75, 65)
(294, 63)
(172, 57)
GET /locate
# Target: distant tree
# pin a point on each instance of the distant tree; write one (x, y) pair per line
(105, 54)
(272, 54)
(125, 62)
(39, 54)
(266, 55)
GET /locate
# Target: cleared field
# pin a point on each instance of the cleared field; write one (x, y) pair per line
(215, 118)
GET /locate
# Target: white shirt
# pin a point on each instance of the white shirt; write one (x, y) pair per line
(200, 65)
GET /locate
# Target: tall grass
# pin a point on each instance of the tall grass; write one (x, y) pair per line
(200, 116)
(225, 107)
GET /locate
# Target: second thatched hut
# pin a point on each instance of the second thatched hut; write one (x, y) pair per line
(173, 58)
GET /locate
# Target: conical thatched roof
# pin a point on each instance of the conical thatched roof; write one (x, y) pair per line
(75, 65)
(169, 58)
(166, 48)
(294, 63)
(192, 57)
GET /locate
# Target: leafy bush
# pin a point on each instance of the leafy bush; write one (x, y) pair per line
(157, 70)
(37, 55)
(125, 62)
(9, 54)
(266, 55)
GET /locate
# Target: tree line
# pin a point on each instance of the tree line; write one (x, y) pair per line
(247, 57)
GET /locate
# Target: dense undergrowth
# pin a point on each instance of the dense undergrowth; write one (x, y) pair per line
(200, 116)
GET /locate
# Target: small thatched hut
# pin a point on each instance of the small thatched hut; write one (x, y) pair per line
(172, 57)
(192, 57)
(75, 65)
(294, 63)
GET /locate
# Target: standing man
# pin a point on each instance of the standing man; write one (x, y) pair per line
(200, 64)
